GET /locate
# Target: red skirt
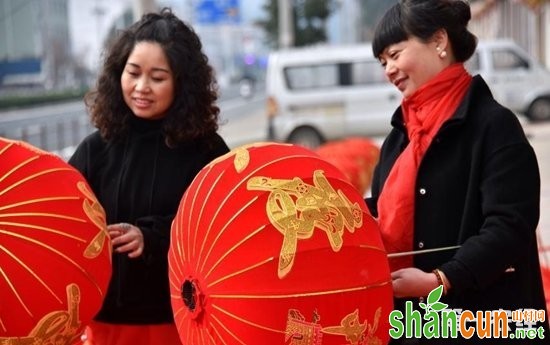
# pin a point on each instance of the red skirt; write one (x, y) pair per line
(99, 333)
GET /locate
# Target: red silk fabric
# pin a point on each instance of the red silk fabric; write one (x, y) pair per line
(98, 333)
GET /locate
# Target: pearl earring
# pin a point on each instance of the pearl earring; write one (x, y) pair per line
(442, 53)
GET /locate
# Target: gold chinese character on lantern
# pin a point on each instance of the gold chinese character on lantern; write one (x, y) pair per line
(296, 209)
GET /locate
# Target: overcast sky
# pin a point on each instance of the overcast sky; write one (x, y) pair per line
(88, 29)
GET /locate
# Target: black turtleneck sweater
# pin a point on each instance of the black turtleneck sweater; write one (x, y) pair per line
(140, 180)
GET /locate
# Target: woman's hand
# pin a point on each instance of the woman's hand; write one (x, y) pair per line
(126, 238)
(412, 282)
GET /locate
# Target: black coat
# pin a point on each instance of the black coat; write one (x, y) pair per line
(478, 186)
(140, 180)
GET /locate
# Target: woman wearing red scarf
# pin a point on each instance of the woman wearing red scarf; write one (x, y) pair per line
(457, 188)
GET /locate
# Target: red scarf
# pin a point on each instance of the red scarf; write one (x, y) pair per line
(424, 112)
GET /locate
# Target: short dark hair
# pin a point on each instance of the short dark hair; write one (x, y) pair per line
(422, 19)
(193, 112)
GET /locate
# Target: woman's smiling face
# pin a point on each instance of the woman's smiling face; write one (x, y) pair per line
(411, 63)
(147, 81)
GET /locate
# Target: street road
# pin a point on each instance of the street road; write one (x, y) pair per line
(243, 124)
(60, 127)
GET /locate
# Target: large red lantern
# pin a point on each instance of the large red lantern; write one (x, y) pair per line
(272, 245)
(55, 258)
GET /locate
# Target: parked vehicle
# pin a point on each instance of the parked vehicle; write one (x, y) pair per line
(247, 85)
(321, 93)
(516, 79)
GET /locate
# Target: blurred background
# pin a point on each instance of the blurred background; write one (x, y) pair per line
(54, 46)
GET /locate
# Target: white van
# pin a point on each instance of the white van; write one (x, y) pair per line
(322, 93)
(516, 80)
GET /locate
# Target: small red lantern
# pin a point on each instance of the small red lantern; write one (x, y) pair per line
(272, 245)
(356, 157)
(55, 257)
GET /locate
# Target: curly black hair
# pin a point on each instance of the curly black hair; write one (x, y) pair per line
(193, 113)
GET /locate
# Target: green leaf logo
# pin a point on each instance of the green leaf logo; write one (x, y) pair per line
(433, 300)
(422, 305)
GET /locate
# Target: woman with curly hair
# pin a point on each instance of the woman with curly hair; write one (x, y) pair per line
(154, 107)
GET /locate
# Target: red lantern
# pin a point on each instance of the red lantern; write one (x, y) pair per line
(55, 258)
(272, 245)
(355, 157)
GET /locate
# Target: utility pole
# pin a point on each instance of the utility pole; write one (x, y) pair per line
(8, 29)
(143, 6)
(286, 27)
(98, 11)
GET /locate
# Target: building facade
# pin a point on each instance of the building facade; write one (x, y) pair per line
(35, 46)
(527, 22)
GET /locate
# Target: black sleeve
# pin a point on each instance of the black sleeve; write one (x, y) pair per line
(511, 212)
(510, 207)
